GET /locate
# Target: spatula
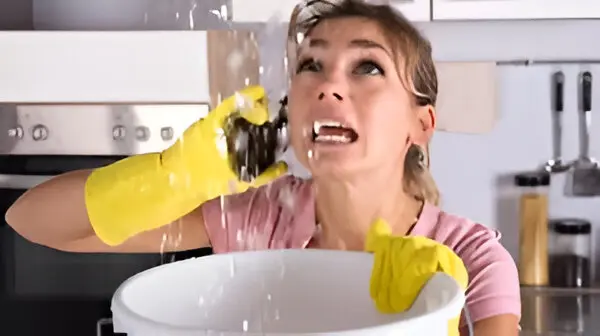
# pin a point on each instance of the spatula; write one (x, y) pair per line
(583, 179)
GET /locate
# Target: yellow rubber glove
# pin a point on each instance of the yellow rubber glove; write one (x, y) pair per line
(148, 191)
(403, 265)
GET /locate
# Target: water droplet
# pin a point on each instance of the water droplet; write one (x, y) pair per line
(232, 267)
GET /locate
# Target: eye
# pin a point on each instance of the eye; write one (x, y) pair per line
(309, 65)
(368, 68)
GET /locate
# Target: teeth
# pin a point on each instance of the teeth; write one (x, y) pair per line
(320, 123)
(332, 138)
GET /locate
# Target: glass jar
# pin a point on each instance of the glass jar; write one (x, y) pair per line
(533, 231)
(570, 253)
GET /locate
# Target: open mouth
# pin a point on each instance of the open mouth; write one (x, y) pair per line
(332, 132)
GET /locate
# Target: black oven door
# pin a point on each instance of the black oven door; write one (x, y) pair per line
(49, 292)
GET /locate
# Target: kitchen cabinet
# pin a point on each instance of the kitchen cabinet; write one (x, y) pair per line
(126, 15)
(414, 10)
(123, 67)
(514, 9)
(188, 67)
(245, 11)
(16, 15)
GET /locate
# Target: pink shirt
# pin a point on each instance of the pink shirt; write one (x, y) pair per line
(282, 215)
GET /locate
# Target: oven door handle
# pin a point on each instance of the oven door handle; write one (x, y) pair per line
(101, 324)
(16, 181)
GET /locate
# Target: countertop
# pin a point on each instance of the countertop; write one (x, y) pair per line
(560, 312)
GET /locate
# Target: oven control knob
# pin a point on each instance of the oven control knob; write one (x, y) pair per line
(142, 133)
(166, 133)
(16, 132)
(39, 132)
(119, 132)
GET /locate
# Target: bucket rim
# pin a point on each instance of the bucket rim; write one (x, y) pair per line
(125, 313)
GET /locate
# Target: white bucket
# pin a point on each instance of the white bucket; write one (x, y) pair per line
(277, 292)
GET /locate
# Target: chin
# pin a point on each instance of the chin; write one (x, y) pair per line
(324, 160)
(334, 167)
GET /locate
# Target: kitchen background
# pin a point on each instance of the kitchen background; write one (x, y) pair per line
(473, 171)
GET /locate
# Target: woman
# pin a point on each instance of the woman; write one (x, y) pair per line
(361, 109)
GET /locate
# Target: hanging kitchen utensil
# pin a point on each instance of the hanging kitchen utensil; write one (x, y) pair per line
(583, 179)
(555, 164)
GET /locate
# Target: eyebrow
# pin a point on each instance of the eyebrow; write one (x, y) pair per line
(358, 43)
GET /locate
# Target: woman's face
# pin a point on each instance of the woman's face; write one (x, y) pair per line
(348, 109)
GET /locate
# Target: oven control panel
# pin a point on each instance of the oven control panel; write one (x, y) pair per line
(94, 129)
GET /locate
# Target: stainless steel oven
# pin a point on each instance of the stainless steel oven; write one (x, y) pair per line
(65, 104)
(49, 292)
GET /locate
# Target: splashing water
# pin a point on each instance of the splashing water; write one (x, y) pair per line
(171, 240)
(273, 52)
(235, 60)
(181, 15)
(222, 14)
(273, 73)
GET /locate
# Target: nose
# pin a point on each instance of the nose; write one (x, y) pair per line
(332, 90)
(333, 94)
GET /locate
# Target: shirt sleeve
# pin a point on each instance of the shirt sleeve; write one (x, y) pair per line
(493, 277)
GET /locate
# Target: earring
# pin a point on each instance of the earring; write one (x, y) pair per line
(424, 156)
(421, 156)
(416, 154)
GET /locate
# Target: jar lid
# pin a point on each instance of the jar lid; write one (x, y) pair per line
(572, 226)
(533, 179)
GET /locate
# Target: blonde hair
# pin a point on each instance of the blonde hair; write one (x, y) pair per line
(414, 64)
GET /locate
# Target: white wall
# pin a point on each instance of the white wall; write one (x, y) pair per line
(475, 172)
